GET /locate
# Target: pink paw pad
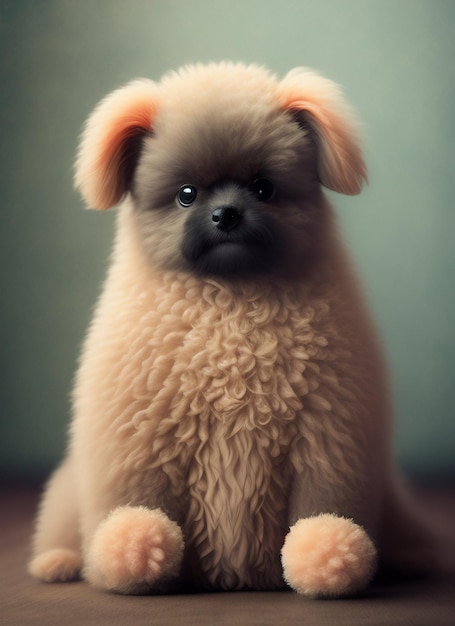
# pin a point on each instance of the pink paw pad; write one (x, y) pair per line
(133, 549)
(328, 556)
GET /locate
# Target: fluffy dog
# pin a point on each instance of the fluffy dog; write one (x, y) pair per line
(231, 420)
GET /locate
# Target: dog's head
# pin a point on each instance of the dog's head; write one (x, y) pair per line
(223, 164)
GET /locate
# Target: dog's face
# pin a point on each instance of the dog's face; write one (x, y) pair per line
(224, 168)
(230, 190)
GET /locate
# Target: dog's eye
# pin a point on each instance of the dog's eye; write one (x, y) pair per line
(186, 195)
(263, 189)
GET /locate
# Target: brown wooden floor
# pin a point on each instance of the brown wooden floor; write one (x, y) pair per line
(24, 601)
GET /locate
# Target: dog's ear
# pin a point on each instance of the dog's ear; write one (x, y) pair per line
(319, 104)
(111, 143)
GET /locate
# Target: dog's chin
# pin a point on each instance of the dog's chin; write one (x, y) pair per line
(232, 259)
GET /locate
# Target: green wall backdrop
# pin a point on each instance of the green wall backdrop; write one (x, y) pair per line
(396, 60)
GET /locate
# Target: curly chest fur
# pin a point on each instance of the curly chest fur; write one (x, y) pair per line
(218, 378)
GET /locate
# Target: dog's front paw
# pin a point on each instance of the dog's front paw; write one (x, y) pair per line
(134, 550)
(328, 556)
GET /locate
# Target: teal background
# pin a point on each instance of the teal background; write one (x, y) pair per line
(396, 61)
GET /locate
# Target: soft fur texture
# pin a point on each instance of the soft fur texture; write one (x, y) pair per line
(327, 555)
(134, 549)
(231, 385)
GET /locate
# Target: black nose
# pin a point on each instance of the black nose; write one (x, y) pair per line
(226, 217)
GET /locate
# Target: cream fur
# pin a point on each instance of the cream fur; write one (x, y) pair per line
(327, 556)
(232, 409)
(134, 549)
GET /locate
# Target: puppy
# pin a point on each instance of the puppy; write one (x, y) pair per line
(231, 423)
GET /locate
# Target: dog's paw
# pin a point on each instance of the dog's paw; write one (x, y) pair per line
(328, 556)
(58, 565)
(134, 550)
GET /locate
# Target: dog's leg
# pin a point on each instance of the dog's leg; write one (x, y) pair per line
(326, 553)
(134, 550)
(56, 546)
(328, 556)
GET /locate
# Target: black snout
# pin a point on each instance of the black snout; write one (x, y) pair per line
(226, 217)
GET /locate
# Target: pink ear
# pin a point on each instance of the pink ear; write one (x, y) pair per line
(340, 163)
(111, 142)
